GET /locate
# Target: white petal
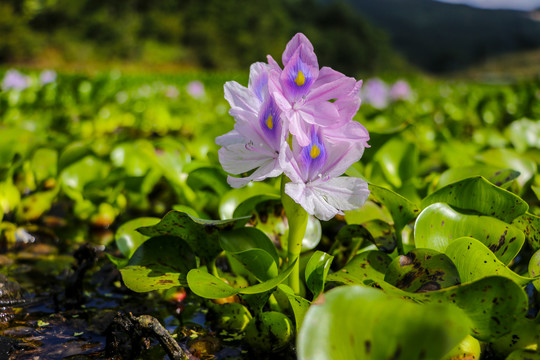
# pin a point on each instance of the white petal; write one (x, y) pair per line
(232, 137)
(240, 96)
(236, 159)
(343, 193)
(325, 199)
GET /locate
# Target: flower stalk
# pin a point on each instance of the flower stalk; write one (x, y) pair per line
(297, 218)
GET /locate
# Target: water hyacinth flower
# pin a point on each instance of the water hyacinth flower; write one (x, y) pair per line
(195, 89)
(376, 93)
(315, 172)
(256, 140)
(47, 77)
(304, 93)
(298, 121)
(14, 80)
(400, 91)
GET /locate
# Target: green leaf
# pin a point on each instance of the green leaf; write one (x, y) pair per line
(401, 209)
(201, 235)
(73, 153)
(422, 270)
(475, 261)
(299, 305)
(34, 205)
(77, 175)
(208, 286)
(439, 224)
(253, 249)
(493, 174)
(159, 263)
(233, 198)
(246, 207)
(365, 268)
(493, 304)
(316, 271)
(208, 178)
(44, 164)
(130, 157)
(128, 239)
(508, 158)
(479, 195)
(530, 225)
(356, 322)
(398, 160)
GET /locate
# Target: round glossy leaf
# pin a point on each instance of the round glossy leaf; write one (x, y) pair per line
(253, 249)
(422, 270)
(128, 239)
(233, 198)
(44, 164)
(208, 178)
(398, 160)
(530, 225)
(507, 158)
(475, 261)
(365, 268)
(356, 322)
(493, 174)
(208, 286)
(401, 209)
(159, 263)
(201, 235)
(479, 195)
(439, 224)
(316, 271)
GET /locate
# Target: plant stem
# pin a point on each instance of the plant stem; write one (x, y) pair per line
(297, 218)
(211, 267)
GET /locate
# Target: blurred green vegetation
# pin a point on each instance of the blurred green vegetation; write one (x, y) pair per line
(211, 34)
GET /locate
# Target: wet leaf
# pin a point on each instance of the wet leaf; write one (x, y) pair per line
(298, 304)
(479, 195)
(128, 239)
(398, 160)
(493, 174)
(160, 263)
(36, 204)
(401, 209)
(422, 270)
(508, 158)
(439, 225)
(365, 268)
(208, 286)
(233, 198)
(316, 271)
(530, 225)
(201, 235)
(44, 164)
(208, 178)
(391, 328)
(475, 261)
(253, 249)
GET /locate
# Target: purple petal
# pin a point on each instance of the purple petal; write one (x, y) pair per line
(294, 44)
(239, 96)
(298, 76)
(331, 85)
(322, 113)
(258, 80)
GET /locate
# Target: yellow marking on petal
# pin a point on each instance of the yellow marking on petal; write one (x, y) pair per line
(314, 152)
(269, 122)
(300, 79)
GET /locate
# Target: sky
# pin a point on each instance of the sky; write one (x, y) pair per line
(525, 5)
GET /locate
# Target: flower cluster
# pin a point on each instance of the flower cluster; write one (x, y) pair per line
(297, 121)
(378, 94)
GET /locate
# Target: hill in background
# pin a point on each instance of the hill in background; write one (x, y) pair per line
(441, 37)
